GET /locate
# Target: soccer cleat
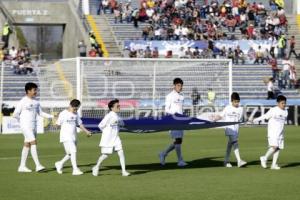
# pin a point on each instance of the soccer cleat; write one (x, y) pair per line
(125, 173)
(39, 168)
(181, 164)
(77, 172)
(95, 171)
(24, 169)
(58, 167)
(263, 162)
(227, 164)
(162, 158)
(242, 163)
(275, 167)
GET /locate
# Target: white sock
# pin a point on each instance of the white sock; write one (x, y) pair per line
(66, 158)
(122, 160)
(228, 150)
(178, 152)
(24, 156)
(270, 151)
(236, 151)
(73, 160)
(169, 149)
(275, 157)
(101, 158)
(34, 155)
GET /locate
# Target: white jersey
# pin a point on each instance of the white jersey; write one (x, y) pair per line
(68, 122)
(110, 126)
(27, 111)
(277, 117)
(232, 114)
(174, 103)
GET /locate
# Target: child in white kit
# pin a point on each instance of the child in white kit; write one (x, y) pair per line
(69, 120)
(26, 112)
(232, 113)
(174, 104)
(277, 116)
(110, 140)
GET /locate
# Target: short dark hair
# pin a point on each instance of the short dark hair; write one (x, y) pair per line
(177, 81)
(281, 98)
(235, 96)
(112, 103)
(75, 103)
(30, 86)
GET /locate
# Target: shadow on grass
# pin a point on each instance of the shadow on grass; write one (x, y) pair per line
(150, 167)
(138, 169)
(292, 165)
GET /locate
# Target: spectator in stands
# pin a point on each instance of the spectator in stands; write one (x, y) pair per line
(259, 56)
(292, 43)
(113, 4)
(28, 68)
(155, 53)
(93, 52)
(189, 53)
(230, 54)
(272, 4)
(106, 6)
(100, 7)
(293, 75)
(274, 43)
(95, 44)
(127, 12)
(118, 13)
(270, 88)
(251, 32)
(196, 53)
(231, 23)
(126, 52)
(239, 55)
(13, 52)
(148, 53)
(195, 96)
(82, 49)
(274, 67)
(6, 31)
(223, 52)
(140, 53)
(169, 54)
(181, 53)
(135, 17)
(145, 32)
(286, 71)
(282, 45)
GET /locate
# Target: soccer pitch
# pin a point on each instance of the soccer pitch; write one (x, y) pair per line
(204, 177)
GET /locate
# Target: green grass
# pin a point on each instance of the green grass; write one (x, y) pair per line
(204, 178)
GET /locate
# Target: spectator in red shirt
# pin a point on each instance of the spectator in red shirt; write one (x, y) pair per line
(292, 43)
(273, 63)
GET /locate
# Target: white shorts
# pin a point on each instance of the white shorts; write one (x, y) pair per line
(176, 134)
(276, 142)
(70, 147)
(110, 150)
(29, 134)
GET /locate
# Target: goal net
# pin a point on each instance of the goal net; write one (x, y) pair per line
(140, 84)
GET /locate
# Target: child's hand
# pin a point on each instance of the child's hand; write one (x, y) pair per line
(212, 117)
(89, 134)
(250, 121)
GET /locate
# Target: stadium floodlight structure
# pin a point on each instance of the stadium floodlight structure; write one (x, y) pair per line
(138, 83)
